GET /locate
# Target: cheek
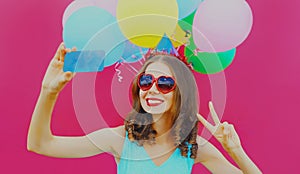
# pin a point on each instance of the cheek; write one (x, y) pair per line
(169, 97)
(142, 94)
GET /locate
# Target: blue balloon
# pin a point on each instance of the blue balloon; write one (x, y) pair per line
(186, 7)
(94, 29)
(111, 41)
(83, 24)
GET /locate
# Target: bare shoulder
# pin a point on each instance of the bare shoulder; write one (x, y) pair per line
(120, 130)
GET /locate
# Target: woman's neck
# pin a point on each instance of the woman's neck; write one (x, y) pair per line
(162, 125)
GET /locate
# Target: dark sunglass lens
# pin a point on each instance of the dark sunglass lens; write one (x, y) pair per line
(145, 81)
(165, 83)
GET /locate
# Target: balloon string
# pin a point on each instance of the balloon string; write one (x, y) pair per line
(118, 71)
(136, 71)
(196, 51)
(141, 63)
(127, 64)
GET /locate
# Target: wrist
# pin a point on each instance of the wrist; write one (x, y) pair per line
(48, 93)
(237, 151)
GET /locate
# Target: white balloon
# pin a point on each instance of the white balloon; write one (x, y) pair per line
(221, 25)
(108, 5)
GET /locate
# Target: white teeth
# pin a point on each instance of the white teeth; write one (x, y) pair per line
(154, 101)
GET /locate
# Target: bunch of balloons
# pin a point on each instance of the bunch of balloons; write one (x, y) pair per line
(209, 30)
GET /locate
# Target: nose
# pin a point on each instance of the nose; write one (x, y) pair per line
(153, 89)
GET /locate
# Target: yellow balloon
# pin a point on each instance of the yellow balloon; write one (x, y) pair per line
(144, 22)
(179, 36)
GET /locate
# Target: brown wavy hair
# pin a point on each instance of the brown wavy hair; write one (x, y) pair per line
(138, 123)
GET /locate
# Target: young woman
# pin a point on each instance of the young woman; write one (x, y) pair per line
(159, 135)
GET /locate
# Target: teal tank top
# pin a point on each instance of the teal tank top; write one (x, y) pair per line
(135, 160)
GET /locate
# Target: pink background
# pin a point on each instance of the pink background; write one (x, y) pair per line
(263, 86)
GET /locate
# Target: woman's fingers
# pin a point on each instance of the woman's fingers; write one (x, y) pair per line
(226, 131)
(62, 51)
(66, 50)
(74, 49)
(57, 55)
(231, 131)
(223, 132)
(67, 76)
(205, 123)
(225, 127)
(214, 114)
(64, 79)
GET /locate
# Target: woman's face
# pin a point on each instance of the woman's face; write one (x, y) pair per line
(152, 100)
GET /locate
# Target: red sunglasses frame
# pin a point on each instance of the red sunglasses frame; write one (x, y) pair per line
(156, 84)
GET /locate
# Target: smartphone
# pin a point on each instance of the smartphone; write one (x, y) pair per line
(84, 61)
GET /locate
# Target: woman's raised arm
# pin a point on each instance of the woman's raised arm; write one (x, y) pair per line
(40, 138)
(229, 139)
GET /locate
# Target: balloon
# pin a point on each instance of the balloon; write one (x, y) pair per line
(83, 24)
(144, 22)
(133, 53)
(109, 5)
(187, 22)
(210, 63)
(92, 28)
(186, 7)
(203, 62)
(187, 25)
(221, 25)
(109, 39)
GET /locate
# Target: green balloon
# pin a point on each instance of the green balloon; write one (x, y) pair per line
(210, 63)
(187, 22)
(187, 25)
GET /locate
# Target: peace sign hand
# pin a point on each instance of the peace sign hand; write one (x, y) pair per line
(223, 132)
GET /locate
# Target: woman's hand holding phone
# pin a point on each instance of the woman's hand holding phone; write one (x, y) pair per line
(55, 79)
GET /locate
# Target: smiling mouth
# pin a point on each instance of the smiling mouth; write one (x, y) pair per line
(154, 102)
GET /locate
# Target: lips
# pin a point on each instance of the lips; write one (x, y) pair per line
(154, 101)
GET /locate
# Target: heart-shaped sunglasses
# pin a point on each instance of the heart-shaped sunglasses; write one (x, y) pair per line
(164, 84)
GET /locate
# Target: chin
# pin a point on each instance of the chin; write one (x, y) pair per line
(155, 112)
